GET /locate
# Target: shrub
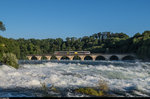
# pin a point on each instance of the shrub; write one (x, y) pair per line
(89, 91)
(46, 90)
(10, 59)
(100, 90)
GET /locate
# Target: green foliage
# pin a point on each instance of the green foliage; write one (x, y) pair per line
(89, 91)
(137, 35)
(9, 46)
(9, 59)
(102, 42)
(2, 27)
(101, 90)
(46, 90)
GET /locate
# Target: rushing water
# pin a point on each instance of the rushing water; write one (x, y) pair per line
(128, 79)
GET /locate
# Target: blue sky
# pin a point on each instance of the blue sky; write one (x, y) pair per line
(43, 19)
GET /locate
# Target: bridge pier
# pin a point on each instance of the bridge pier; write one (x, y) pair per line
(120, 56)
(38, 57)
(29, 57)
(59, 57)
(82, 57)
(70, 57)
(107, 57)
(48, 57)
(93, 57)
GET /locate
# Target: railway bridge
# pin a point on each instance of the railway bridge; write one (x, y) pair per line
(83, 55)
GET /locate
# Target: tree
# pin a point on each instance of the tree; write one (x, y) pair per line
(137, 35)
(2, 27)
(10, 59)
(59, 43)
(63, 46)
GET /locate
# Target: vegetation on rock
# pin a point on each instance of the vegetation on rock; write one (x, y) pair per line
(46, 90)
(89, 91)
(9, 59)
(101, 90)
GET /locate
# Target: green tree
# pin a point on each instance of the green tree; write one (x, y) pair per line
(10, 59)
(2, 27)
(137, 35)
(64, 47)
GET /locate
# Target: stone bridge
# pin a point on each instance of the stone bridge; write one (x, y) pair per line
(94, 56)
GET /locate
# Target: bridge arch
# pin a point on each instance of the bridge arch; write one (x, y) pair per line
(76, 57)
(53, 57)
(65, 58)
(114, 57)
(34, 58)
(43, 58)
(88, 58)
(100, 57)
(128, 57)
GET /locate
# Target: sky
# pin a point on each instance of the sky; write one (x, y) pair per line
(42, 19)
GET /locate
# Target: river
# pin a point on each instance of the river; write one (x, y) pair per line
(124, 78)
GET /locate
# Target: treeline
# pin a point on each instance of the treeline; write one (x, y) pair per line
(102, 42)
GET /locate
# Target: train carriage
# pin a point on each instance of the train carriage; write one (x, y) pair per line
(71, 52)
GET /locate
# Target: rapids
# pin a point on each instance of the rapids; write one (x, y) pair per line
(130, 79)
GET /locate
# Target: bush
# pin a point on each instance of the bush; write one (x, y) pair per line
(10, 59)
(46, 90)
(89, 91)
(100, 90)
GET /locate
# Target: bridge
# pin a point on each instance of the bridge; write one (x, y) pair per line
(83, 55)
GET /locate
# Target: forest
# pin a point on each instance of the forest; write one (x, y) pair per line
(102, 42)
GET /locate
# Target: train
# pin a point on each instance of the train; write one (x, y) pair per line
(71, 52)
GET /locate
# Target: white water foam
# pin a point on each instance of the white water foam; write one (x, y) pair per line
(119, 78)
